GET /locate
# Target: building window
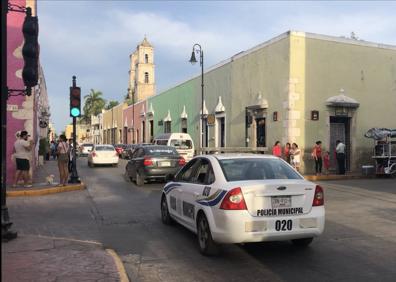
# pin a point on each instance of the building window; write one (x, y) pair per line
(167, 127)
(146, 77)
(146, 58)
(184, 125)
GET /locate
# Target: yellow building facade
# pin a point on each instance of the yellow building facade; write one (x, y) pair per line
(113, 124)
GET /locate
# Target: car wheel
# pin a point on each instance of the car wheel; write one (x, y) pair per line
(89, 164)
(205, 241)
(115, 165)
(165, 216)
(302, 242)
(139, 179)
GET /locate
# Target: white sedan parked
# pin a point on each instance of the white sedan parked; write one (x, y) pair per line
(103, 154)
(234, 198)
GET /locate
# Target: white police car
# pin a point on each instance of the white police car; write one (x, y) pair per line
(231, 198)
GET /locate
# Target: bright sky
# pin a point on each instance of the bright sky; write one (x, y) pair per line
(93, 39)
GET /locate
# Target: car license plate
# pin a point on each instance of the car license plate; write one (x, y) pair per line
(164, 164)
(281, 202)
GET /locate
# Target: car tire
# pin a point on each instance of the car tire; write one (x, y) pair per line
(115, 165)
(206, 244)
(89, 164)
(304, 242)
(139, 179)
(165, 216)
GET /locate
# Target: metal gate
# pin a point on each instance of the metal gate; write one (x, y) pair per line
(340, 130)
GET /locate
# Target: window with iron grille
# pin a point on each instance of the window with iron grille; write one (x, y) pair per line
(167, 127)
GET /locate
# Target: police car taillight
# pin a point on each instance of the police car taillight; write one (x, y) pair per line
(318, 199)
(234, 200)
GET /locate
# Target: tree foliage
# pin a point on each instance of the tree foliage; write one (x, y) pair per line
(93, 104)
(111, 104)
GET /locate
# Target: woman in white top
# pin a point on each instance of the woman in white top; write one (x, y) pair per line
(295, 156)
(63, 160)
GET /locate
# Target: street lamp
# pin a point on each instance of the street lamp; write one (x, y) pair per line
(198, 49)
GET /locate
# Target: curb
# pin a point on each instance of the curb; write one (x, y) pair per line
(119, 264)
(335, 177)
(45, 191)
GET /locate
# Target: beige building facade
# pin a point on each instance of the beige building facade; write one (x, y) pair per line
(113, 124)
(297, 87)
(141, 74)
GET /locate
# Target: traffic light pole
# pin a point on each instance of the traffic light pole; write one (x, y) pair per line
(6, 233)
(74, 175)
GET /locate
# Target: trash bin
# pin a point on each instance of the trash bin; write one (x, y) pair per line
(367, 170)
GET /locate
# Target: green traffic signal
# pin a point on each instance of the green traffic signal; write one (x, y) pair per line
(75, 112)
(75, 101)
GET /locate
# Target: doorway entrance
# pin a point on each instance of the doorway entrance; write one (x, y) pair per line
(260, 132)
(151, 124)
(340, 129)
(221, 131)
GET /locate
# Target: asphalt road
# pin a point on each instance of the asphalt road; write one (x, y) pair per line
(359, 242)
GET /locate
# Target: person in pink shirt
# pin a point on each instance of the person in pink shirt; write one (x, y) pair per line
(277, 149)
(326, 161)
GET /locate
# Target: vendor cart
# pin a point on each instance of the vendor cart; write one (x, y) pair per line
(384, 150)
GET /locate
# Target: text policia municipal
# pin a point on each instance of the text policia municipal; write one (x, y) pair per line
(283, 211)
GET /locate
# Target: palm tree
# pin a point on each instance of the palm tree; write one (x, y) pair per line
(93, 104)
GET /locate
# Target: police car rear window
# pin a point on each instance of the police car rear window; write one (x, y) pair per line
(256, 169)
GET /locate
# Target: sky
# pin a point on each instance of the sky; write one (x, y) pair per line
(93, 39)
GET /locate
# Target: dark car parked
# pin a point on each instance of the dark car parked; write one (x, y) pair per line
(153, 162)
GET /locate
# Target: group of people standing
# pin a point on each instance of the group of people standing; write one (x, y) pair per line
(62, 151)
(323, 159)
(292, 154)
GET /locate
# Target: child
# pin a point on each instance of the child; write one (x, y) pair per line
(326, 161)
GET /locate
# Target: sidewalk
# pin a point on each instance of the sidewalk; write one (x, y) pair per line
(40, 182)
(312, 177)
(37, 258)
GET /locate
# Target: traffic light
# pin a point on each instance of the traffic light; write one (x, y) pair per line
(75, 101)
(30, 49)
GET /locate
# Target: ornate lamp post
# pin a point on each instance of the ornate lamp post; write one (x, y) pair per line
(198, 49)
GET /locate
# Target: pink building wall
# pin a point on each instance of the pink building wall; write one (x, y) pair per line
(24, 118)
(138, 118)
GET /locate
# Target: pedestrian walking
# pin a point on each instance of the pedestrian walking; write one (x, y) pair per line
(23, 148)
(317, 155)
(286, 152)
(277, 149)
(63, 160)
(71, 148)
(326, 162)
(340, 153)
(295, 156)
(53, 150)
